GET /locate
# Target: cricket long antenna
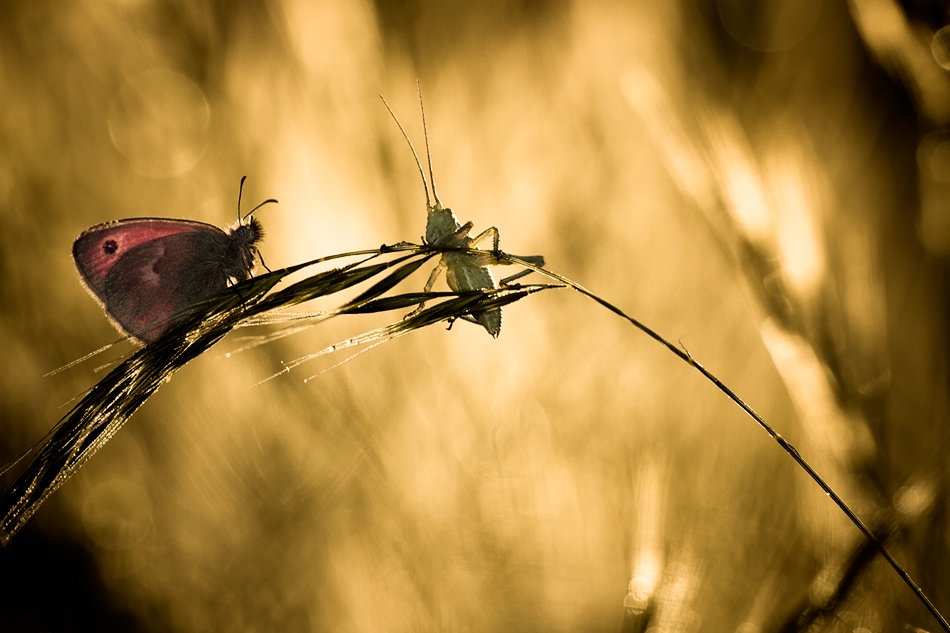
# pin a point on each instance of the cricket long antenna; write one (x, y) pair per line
(425, 133)
(241, 218)
(422, 172)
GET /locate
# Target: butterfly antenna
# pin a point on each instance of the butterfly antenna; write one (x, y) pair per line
(240, 193)
(241, 218)
(422, 172)
(251, 212)
(425, 133)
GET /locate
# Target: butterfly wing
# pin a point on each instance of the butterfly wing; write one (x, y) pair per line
(98, 249)
(147, 273)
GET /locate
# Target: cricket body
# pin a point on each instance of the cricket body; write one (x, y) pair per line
(464, 271)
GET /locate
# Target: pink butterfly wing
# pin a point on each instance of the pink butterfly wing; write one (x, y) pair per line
(146, 273)
(154, 284)
(98, 249)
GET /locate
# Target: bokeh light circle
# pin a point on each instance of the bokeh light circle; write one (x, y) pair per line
(159, 121)
(117, 515)
(769, 27)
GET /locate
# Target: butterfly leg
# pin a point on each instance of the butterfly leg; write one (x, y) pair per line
(261, 257)
(231, 284)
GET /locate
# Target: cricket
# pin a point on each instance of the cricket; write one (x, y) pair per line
(463, 271)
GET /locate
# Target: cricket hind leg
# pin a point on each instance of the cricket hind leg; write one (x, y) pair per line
(537, 260)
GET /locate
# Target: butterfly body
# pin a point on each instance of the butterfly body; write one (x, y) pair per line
(147, 272)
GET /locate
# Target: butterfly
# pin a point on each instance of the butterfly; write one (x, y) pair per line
(147, 272)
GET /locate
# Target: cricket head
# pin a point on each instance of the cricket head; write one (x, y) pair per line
(441, 225)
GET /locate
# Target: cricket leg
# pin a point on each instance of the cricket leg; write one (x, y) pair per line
(458, 237)
(488, 259)
(481, 237)
(508, 280)
(433, 276)
(537, 260)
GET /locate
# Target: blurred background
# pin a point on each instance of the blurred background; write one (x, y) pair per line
(766, 183)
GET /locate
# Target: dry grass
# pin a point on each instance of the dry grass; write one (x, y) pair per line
(778, 211)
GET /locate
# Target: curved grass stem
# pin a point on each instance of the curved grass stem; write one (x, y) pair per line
(687, 358)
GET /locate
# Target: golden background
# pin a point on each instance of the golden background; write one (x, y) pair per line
(766, 183)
